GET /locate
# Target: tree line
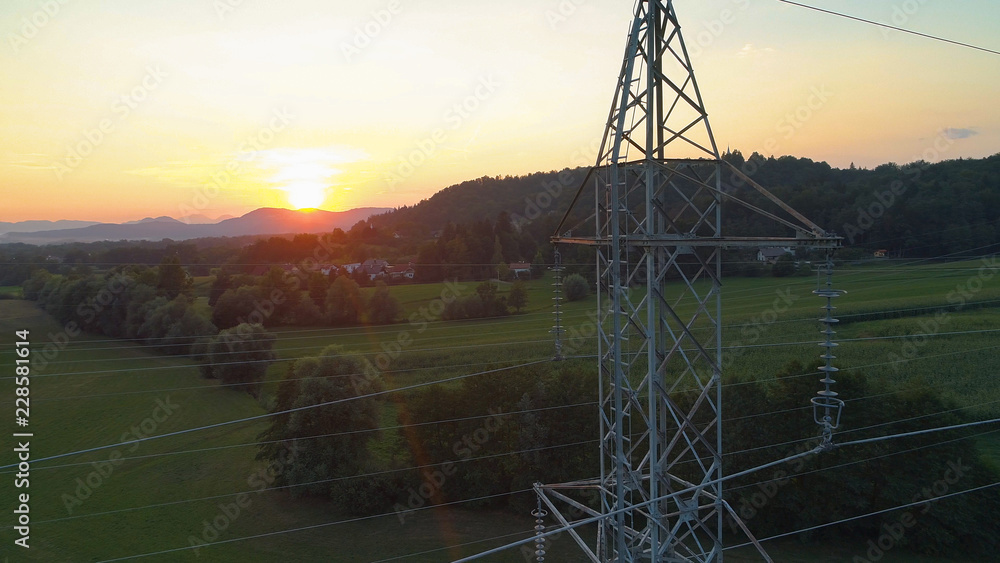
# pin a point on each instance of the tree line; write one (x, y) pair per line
(502, 432)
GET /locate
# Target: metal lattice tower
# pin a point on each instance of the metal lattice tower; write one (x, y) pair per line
(659, 187)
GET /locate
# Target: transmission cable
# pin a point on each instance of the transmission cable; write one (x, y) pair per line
(887, 26)
(277, 413)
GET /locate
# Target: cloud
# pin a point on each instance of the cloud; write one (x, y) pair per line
(749, 50)
(28, 161)
(959, 133)
(255, 167)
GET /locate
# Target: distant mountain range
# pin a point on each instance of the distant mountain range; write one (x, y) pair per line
(264, 221)
(33, 226)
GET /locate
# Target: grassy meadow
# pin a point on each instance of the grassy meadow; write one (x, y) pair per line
(94, 390)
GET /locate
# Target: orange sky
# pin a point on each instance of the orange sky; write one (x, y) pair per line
(170, 107)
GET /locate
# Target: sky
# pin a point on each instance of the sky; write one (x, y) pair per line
(115, 110)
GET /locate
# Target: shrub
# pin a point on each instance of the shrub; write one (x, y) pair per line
(575, 287)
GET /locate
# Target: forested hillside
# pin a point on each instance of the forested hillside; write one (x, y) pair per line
(916, 210)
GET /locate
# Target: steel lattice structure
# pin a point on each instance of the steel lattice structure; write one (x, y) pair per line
(659, 187)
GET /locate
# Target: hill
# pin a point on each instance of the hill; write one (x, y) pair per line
(265, 221)
(917, 209)
(33, 226)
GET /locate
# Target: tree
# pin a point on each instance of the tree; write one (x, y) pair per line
(784, 266)
(235, 306)
(343, 302)
(32, 287)
(223, 281)
(318, 285)
(831, 486)
(537, 264)
(429, 262)
(305, 312)
(239, 356)
(330, 442)
(575, 287)
(171, 279)
(498, 261)
(174, 325)
(518, 296)
(280, 290)
(383, 308)
(493, 305)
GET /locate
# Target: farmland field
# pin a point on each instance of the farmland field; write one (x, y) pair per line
(10, 292)
(93, 391)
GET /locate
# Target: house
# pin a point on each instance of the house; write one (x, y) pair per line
(517, 269)
(401, 272)
(880, 253)
(374, 268)
(771, 255)
(349, 268)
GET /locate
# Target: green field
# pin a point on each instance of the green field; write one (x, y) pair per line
(10, 292)
(95, 390)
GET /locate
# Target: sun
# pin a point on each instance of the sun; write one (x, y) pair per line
(304, 182)
(305, 194)
(307, 176)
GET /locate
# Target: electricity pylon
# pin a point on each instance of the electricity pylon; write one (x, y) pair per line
(659, 184)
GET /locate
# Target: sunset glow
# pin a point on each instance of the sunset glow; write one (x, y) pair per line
(340, 105)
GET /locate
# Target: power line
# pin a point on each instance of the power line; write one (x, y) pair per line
(139, 371)
(277, 413)
(314, 526)
(225, 385)
(875, 513)
(919, 432)
(855, 462)
(440, 549)
(316, 436)
(146, 356)
(494, 344)
(359, 330)
(880, 425)
(310, 483)
(887, 26)
(612, 513)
